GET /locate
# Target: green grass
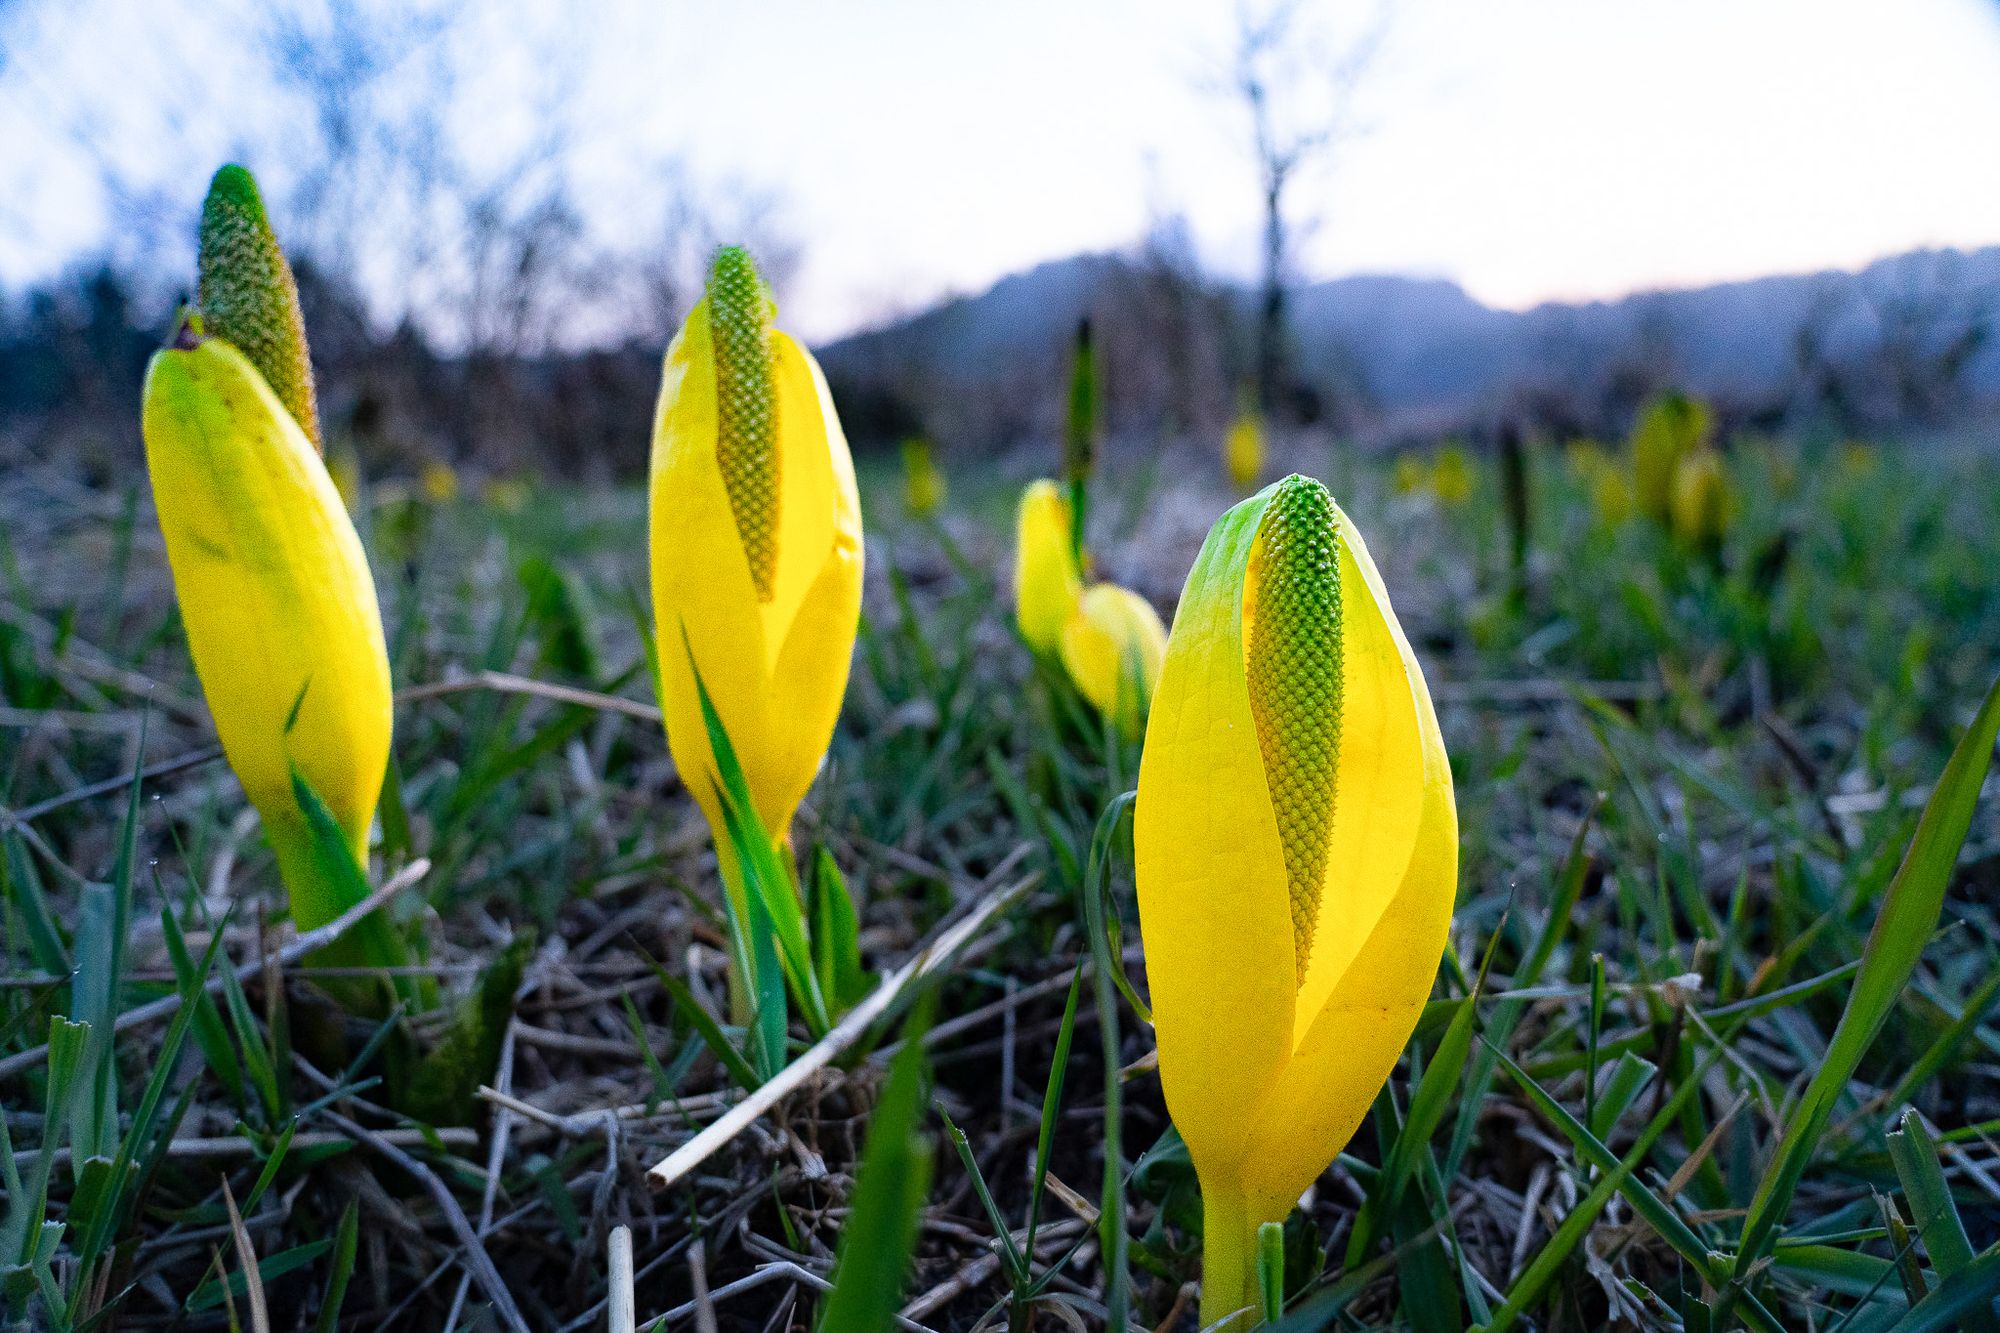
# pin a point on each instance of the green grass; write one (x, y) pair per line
(1733, 1060)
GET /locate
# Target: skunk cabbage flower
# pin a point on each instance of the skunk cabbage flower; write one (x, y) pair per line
(274, 588)
(1410, 475)
(756, 548)
(1047, 582)
(1702, 502)
(1451, 475)
(439, 482)
(1672, 426)
(276, 598)
(1243, 451)
(923, 484)
(1297, 852)
(1112, 645)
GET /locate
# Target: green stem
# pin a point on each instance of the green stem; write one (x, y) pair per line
(1228, 1259)
(318, 896)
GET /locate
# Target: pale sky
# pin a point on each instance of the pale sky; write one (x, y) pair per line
(1529, 149)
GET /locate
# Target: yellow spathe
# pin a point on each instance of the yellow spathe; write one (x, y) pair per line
(1047, 583)
(1703, 503)
(275, 594)
(1670, 427)
(775, 665)
(924, 486)
(1269, 1065)
(1112, 646)
(1243, 451)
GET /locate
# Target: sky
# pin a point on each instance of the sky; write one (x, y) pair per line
(1530, 150)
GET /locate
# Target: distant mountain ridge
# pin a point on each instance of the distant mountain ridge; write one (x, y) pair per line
(1421, 349)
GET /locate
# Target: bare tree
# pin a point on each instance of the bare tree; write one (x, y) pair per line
(1300, 88)
(1166, 352)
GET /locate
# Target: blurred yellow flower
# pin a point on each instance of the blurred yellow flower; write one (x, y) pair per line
(438, 482)
(1857, 459)
(343, 464)
(1451, 475)
(1671, 426)
(1047, 582)
(923, 484)
(756, 549)
(1604, 478)
(509, 495)
(1611, 496)
(1243, 451)
(1297, 851)
(1112, 645)
(1703, 502)
(1410, 474)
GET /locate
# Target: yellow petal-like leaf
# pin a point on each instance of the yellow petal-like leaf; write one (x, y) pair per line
(776, 669)
(1359, 1032)
(274, 589)
(1112, 646)
(1211, 873)
(1047, 583)
(818, 503)
(1381, 775)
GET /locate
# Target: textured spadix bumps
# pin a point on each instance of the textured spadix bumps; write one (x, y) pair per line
(1297, 854)
(756, 547)
(1292, 605)
(248, 295)
(746, 418)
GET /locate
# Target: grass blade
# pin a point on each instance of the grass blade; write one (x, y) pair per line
(1017, 1267)
(1959, 1298)
(706, 1027)
(1051, 1104)
(836, 935)
(346, 1239)
(889, 1190)
(1100, 929)
(1902, 929)
(1931, 1206)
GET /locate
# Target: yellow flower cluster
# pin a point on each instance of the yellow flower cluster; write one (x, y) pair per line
(1295, 836)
